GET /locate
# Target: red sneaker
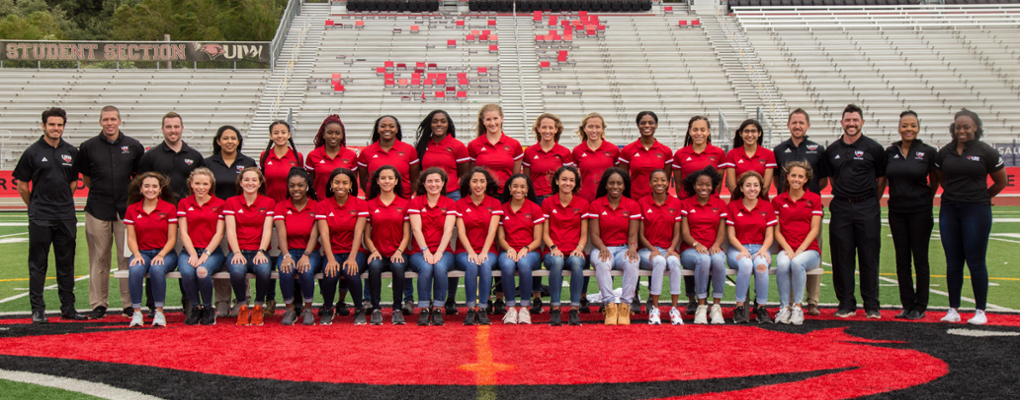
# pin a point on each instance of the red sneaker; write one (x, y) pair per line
(243, 315)
(256, 315)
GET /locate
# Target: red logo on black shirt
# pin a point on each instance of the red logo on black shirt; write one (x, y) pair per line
(859, 153)
(812, 147)
(65, 157)
(188, 161)
(240, 168)
(125, 149)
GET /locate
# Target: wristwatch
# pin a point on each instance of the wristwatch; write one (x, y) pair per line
(206, 252)
(553, 247)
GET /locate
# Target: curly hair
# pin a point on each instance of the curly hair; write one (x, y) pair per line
(320, 136)
(135, 188)
(491, 187)
(688, 182)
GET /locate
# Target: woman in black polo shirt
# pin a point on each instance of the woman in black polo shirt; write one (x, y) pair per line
(910, 175)
(965, 217)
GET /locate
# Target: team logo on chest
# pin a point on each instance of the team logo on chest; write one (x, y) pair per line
(974, 158)
(858, 154)
(65, 157)
(125, 150)
(919, 155)
(812, 147)
(188, 161)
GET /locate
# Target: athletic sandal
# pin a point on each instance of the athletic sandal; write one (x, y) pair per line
(289, 317)
(398, 317)
(437, 316)
(483, 318)
(194, 316)
(425, 317)
(653, 316)
(511, 316)
(783, 317)
(159, 319)
(611, 312)
(763, 315)
(979, 318)
(256, 315)
(359, 317)
(307, 316)
(469, 318)
(554, 316)
(715, 313)
(952, 316)
(797, 316)
(740, 315)
(623, 314)
(700, 315)
(376, 317)
(573, 318)
(243, 317)
(136, 319)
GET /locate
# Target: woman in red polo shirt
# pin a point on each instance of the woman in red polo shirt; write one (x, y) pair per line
(388, 149)
(749, 220)
(478, 214)
(433, 217)
(800, 220)
(249, 223)
(277, 159)
(201, 224)
(645, 155)
(749, 155)
(437, 146)
(331, 152)
(697, 153)
(659, 235)
(519, 237)
(387, 236)
(614, 224)
(341, 217)
(299, 243)
(704, 231)
(594, 155)
(493, 150)
(151, 221)
(565, 234)
(546, 157)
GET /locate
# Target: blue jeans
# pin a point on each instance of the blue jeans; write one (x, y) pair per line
(477, 278)
(239, 279)
(427, 273)
(794, 271)
(744, 268)
(375, 270)
(353, 280)
(555, 266)
(454, 195)
(524, 266)
(193, 285)
(157, 276)
(706, 266)
(306, 279)
(964, 228)
(658, 266)
(540, 199)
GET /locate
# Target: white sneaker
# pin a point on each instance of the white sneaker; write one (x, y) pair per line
(159, 319)
(524, 317)
(653, 317)
(979, 318)
(797, 316)
(136, 319)
(783, 317)
(716, 315)
(674, 317)
(511, 316)
(701, 315)
(951, 316)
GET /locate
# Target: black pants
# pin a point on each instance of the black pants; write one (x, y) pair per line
(62, 235)
(855, 231)
(911, 233)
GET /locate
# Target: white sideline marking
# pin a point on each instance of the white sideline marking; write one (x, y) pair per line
(977, 333)
(13, 240)
(50, 287)
(100, 390)
(26, 224)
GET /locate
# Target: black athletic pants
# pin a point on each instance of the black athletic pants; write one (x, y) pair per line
(62, 235)
(911, 233)
(855, 236)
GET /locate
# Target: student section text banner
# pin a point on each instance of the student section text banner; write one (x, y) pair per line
(41, 50)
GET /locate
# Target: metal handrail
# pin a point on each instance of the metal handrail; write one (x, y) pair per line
(276, 46)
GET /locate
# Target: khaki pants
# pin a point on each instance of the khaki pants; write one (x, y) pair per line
(812, 289)
(100, 236)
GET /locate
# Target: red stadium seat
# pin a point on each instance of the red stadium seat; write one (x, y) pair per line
(544, 65)
(683, 22)
(493, 48)
(335, 77)
(380, 70)
(475, 32)
(493, 38)
(486, 32)
(492, 22)
(414, 28)
(483, 37)
(432, 65)
(403, 82)
(388, 64)
(668, 9)
(329, 22)
(552, 20)
(440, 95)
(562, 56)
(538, 16)
(360, 24)
(696, 22)
(389, 82)
(460, 22)
(583, 14)
(470, 38)
(461, 94)
(441, 79)
(338, 87)
(451, 43)
(483, 71)
(419, 65)
(388, 76)
(401, 66)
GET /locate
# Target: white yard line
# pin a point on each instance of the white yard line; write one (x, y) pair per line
(100, 390)
(50, 287)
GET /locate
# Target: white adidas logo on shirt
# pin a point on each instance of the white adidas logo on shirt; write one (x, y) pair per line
(740, 162)
(688, 159)
(786, 206)
(605, 213)
(536, 156)
(330, 214)
(322, 161)
(740, 214)
(44, 159)
(191, 208)
(649, 210)
(377, 210)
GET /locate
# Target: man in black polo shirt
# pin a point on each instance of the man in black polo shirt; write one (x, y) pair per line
(854, 163)
(49, 165)
(107, 162)
(799, 148)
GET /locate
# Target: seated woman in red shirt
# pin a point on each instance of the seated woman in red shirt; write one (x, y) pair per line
(478, 215)
(749, 220)
(433, 217)
(387, 236)
(749, 155)
(659, 235)
(151, 221)
(201, 224)
(800, 219)
(614, 235)
(342, 217)
(565, 233)
(299, 244)
(249, 224)
(519, 237)
(704, 232)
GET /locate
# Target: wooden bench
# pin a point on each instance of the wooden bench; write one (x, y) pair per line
(460, 274)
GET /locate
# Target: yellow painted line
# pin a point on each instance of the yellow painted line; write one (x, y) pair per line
(485, 369)
(25, 279)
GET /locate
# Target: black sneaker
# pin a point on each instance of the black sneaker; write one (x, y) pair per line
(98, 313)
(488, 308)
(499, 307)
(915, 315)
(186, 306)
(740, 315)
(692, 307)
(208, 316)
(398, 317)
(327, 317)
(451, 306)
(408, 308)
(342, 310)
(469, 318)
(584, 306)
(763, 316)
(359, 316)
(194, 316)
(554, 317)
(321, 311)
(424, 317)
(483, 319)
(574, 319)
(536, 305)
(437, 316)
(289, 317)
(635, 306)
(376, 317)
(127, 312)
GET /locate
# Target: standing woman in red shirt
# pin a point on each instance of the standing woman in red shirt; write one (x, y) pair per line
(386, 238)
(659, 235)
(749, 220)
(546, 157)
(388, 149)
(594, 155)
(341, 217)
(432, 217)
(478, 215)
(646, 155)
(151, 221)
(279, 157)
(437, 146)
(749, 155)
(613, 226)
(331, 152)
(249, 225)
(697, 153)
(800, 219)
(492, 149)
(565, 234)
(299, 244)
(520, 237)
(201, 224)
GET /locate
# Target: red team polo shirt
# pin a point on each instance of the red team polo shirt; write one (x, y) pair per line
(659, 220)
(341, 220)
(796, 217)
(276, 170)
(642, 162)
(498, 159)
(446, 154)
(433, 220)
(614, 224)
(388, 224)
(738, 160)
(476, 219)
(543, 164)
(322, 166)
(565, 222)
(201, 219)
(248, 220)
(299, 223)
(750, 224)
(519, 227)
(401, 156)
(151, 228)
(703, 220)
(592, 163)
(687, 161)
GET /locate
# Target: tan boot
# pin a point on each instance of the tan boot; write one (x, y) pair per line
(611, 313)
(623, 316)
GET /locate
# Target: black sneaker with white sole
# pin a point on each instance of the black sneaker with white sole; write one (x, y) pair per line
(208, 316)
(376, 317)
(483, 318)
(740, 315)
(499, 306)
(327, 317)
(536, 305)
(574, 319)
(763, 316)
(692, 307)
(437, 316)
(425, 317)
(470, 317)
(359, 316)
(194, 317)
